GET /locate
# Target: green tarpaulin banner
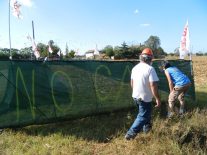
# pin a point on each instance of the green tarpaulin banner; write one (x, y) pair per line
(36, 92)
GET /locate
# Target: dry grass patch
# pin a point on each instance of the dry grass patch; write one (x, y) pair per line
(200, 70)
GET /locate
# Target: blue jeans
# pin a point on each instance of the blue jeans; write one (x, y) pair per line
(143, 120)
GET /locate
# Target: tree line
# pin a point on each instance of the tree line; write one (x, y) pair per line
(123, 51)
(133, 51)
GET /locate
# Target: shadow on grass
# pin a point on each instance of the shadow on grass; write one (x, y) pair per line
(100, 128)
(104, 127)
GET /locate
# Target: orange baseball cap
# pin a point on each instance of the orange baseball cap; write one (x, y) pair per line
(147, 51)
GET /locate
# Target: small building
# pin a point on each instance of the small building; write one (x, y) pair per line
(89, 54)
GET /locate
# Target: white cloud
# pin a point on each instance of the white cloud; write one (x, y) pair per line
(27, 3)
(145, 25)
(136, 11)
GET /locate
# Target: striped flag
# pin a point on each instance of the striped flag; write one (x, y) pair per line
(185, 42)
(16, 9)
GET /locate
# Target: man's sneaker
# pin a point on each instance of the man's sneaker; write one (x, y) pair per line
(129, 137)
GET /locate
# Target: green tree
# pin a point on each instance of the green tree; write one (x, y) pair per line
(4, 53)
(55, 48)
(43, 49)
(124, 46)
(129, 52)
(70, 54)
(159, 53)
(135, 51)
(199, 53)
(153, 42)
(15, 54)
(108, 50)
(122, 51)
(117, 53)
(26, 52)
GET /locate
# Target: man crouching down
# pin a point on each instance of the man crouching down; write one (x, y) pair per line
(144, 86)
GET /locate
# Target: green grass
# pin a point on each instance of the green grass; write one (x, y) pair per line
(201, 95)
(104, 134)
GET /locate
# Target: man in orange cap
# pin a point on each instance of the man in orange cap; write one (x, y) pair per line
(144, 88)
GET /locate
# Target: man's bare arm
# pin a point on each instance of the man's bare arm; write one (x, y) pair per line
(170, 83)
(154, 89)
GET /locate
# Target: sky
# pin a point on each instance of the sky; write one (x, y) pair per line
(86, 24)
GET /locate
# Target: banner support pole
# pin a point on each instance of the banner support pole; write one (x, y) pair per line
(10, 55)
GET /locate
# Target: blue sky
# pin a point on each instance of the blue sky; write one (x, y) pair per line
(83, 24)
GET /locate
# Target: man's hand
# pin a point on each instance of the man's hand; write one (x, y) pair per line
(153, 86)
(158, 103)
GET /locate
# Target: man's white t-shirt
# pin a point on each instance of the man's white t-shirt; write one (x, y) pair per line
(142, 74)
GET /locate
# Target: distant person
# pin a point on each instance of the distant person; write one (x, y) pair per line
(144, 86)
(179, 83)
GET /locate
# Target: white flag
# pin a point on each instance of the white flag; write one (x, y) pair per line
(59, 53)
(50, 49)
(16, 9)
(185, 42)
(96, 51)
(34, 47)
(35, 50)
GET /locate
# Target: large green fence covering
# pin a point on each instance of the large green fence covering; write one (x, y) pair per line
(35, 92)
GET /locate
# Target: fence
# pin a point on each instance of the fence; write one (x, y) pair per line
(35, 92)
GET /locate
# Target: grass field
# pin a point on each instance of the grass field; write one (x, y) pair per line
(104, 134)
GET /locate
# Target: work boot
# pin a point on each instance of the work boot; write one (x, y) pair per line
(129, 137)
(147, 128)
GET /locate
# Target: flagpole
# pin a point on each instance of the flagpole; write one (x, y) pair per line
(10, 55)
(190, 51)
(33, 35)
(191, 62)
(33, 30)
